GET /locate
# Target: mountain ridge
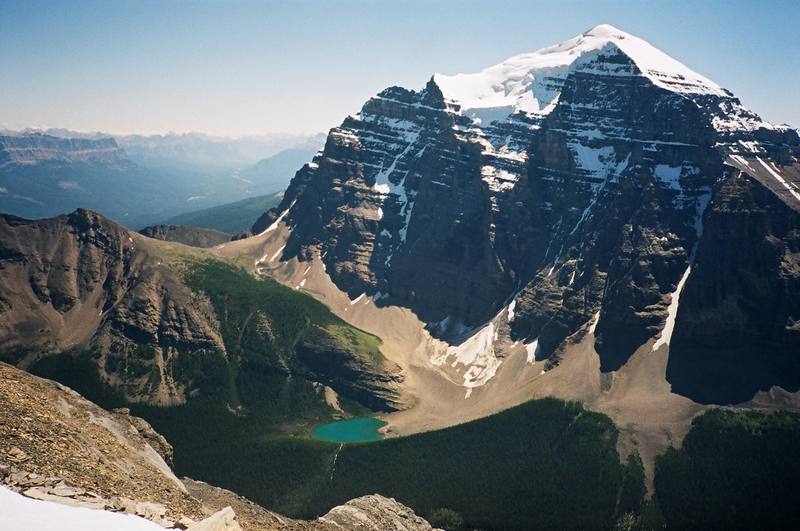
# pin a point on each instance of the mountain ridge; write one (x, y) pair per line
(231, 218)
(161, 323)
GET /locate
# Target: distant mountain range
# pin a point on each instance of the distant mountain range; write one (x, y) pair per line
(196, 151)
(192, 150)
(140, 180)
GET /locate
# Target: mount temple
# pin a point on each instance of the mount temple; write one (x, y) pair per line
(595, 184)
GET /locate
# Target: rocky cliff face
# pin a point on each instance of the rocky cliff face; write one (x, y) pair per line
(582, 182)
(737, 328)
(157, 331)
(81, 282)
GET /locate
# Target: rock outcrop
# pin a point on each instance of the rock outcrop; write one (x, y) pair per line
(372, 512)
(57, 446)
(153, 438)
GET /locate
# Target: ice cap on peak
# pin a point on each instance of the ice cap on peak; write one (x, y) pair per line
(605, 30)
(524, 82)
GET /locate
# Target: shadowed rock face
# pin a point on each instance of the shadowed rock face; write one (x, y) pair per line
(737, 328)
(193, 236)
(435, 230)
(598, 205)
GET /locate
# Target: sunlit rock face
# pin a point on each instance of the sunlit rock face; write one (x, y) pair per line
(598, 176)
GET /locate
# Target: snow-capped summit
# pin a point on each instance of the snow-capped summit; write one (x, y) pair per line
(531, 82)
(595, 181)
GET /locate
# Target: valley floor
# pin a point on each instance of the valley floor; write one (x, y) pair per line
(637, 397)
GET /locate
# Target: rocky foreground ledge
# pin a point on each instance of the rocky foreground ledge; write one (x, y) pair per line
(57, 446)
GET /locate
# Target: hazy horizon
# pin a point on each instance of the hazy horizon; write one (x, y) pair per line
(262, 134)
(224, 68)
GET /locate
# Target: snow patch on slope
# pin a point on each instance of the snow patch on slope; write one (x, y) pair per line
(532, 348)
(597, 162)
(499, 180)
(277, 222)
(595, 320)
(19, 512)
(672, 310)
(669, 175)
(279, 251)
(791, 187)
(512, 305)
(476, 354)
(384, 186)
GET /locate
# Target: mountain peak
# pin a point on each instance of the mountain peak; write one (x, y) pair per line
(530, 82)
(607, 31)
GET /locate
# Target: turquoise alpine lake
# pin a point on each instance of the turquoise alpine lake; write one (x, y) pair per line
(360, 429)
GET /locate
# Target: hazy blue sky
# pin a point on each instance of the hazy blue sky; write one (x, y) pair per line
(253, 67)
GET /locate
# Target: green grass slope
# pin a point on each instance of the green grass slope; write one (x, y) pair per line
(253, 398)
(264, 326)
(230, 218)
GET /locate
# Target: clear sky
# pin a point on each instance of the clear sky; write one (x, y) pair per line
(236, 67)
